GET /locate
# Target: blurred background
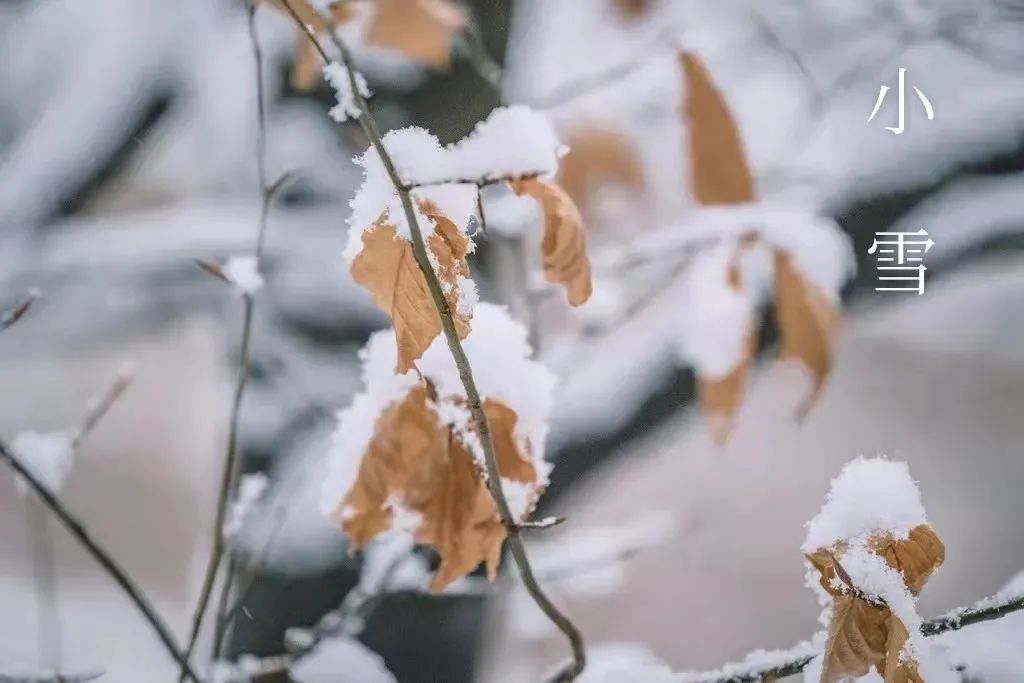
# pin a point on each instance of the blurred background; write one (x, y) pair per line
(127, 150)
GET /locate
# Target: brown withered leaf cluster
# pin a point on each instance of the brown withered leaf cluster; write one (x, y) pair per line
(416, 463)
(421, 29)
(863, 633)
(564, 245)
(387, 267)
(720, 174)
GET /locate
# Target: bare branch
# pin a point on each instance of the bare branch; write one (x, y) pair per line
(104, 558)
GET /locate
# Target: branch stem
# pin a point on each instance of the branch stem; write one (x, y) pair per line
(104, 558)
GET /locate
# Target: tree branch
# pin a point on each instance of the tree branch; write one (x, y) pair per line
(105, 560)
(493, 479)
(229, 475)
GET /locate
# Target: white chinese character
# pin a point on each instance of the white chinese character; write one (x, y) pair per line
(898, 130)
(901, 253)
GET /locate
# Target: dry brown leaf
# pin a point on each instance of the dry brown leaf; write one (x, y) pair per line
(633, 9)
(599, 158)
(421, 29)
(719, 170)
(807, 324)
(720, 399)
(306, 66)
(387, 267)
(862, 634)
(564, 247)
(416, 463)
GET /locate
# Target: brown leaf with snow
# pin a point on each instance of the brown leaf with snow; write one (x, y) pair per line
(421, 29)
(387, 267)
(862, 634)
(414, 465)
(564, 247)
(719, 171)
(306, 65)
(807, 324)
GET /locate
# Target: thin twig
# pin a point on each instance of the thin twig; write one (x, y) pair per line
(493, 479)
(229, 475)
(123, 580)
(101, 404)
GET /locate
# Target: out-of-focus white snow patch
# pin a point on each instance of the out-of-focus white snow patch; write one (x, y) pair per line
(871, 496)
(49, 456)
(624, 663)
(251, 488)
(719, 317)
(243, 273)
(342, 660)
(346, 107)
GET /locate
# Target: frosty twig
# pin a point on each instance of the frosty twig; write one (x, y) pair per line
(231, 463)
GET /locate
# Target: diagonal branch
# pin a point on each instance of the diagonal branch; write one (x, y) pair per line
(106, 561)
(493, 480)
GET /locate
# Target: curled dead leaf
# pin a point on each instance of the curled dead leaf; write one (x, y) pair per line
(861, 634)
(417, 466)
(306, 62)
(719, 172)
(564, 247)
(387, 267)
(421, 29)
(807, 324)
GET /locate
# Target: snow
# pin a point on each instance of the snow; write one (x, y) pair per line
(872, 575)
(251, 488)
(49, 456)
(346, 107)
(499, 354)
(511, 142)
(871, 496)
(341, 660)
(719, 317)
(242, 271)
